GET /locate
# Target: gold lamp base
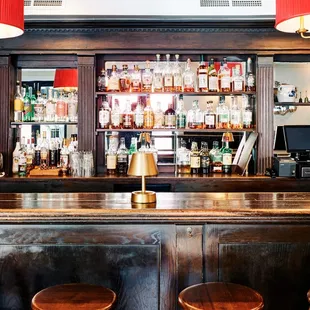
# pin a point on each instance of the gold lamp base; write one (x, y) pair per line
(143, 197)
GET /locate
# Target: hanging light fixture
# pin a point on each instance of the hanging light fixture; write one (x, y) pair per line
(293, 16)
(66, 79)
(11, 18)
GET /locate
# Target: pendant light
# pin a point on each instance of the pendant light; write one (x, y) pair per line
(66, 79)
(11, 18)
(293, 16)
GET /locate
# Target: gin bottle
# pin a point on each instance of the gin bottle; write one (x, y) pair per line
(27, 117)
(235, 114)
(223, 117)
(217, 158)
(181, 114)
(247, 116)
(158, 76)
(227, 157)
(167, 75)
(183, 159)
(177, 75)
(39, 110)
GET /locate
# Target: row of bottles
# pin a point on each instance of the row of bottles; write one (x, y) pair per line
(46, 154)
(222, 117)
(55, 107)
(172, 77)
(202, 161)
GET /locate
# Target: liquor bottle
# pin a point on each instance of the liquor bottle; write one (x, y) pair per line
(22, 161)
(209, 116)
(204, 158)
(147, 78)
(27, 115)
(125, 80)
(136, 81)
(148, 119)
(217, 158)
(158, 76)
(139, 116)
(183, 155)
(300, 98)
(152, 149)
(122, 158)
(170, 117)
(64, 158)
(223, 117)
(37, 151)
(213, 77)
(102, 81)
(113, 81)
(53, 154)
(177, 75)
(18, 104)
(194, 158)
(167, 75)
(235, 114)
(247, 117)
(105, 115)
(159, 116)
(72, 107)
(225, 79)
(202, 73)
(195, 116)
(181, 114)
(39, 109)
(250, 77)
(128, 118)
(44, 151)
(306, 100)
(15, 156)
(61, 108)
(50, 107)
(227, 156)
(238, 80)
(132, 149)
(188, 78)
(116, 116)
(29, 156)
(111, 159)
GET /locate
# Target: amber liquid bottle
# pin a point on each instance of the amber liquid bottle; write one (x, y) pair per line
(170, 117)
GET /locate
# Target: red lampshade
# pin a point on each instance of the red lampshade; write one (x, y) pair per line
(288, 13)
(66, 78)
(11, 18)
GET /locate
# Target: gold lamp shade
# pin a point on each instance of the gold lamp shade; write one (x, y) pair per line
(227, 136)
(143, 164)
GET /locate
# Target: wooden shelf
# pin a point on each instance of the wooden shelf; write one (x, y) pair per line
(177, 93)
(292, 104)
(42, 123)
(175, 130)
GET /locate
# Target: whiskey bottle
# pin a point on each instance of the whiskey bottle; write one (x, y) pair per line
(238, 80)
(177, 75)
(147, 78)
(247, 118)
(225, 79)
(223, 117)
(235, 114)
(122, 158)
(194, 158)
(158, 76)
(227, 156)
(111, 159)
(18, 104)
(125, 80)
(195, 116)
(116, 116)
(170, 117)
(136, 81)
(148, 119)
(139, 116)
(213, 77)
(181, 114)
(217, 158)
(114, 81)
(183, 157)
(204, 158)
(167, 75)
(105, 115)
(250, 78)
(188, 78)
(159, 116)
(102, 81)
(128, 118)
(202, 73)
(209, 116)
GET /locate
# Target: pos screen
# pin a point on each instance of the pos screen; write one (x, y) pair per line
(297, 138)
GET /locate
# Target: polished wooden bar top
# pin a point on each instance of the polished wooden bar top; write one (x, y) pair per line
(170, 207)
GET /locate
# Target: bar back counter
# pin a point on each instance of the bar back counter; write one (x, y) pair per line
(148, 255)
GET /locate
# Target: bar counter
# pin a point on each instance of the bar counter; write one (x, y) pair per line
(148, 255)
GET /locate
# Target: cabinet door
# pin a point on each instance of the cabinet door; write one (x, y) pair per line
(136, 261)
(272, 259)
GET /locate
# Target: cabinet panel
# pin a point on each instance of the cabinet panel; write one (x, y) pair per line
(271, 259)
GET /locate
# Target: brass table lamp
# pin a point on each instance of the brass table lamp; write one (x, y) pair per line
(143, 164)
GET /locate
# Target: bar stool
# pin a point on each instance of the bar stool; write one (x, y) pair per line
(220, 295)
(74, 296)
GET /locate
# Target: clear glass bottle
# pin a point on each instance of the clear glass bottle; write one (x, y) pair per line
(39, 109)
(181, 114)
(132, 149)
(15, 156)
(104, 115)
(18, 104)
(61, 108)
(225, 79)
(73, 107)
(158, 76)
(128, 117)
(183, 157)
(209, 116)
(64, 158)
(194, 158)
(111, 158)
(152, 149)
(247, 117)
(227, 156)
(159, 117)
(22, 162)
(44, 150)
(136, 80)
(238, 80)
(250, 84)
(116, 116)
(122, 158)
(202, 72)
(148, 119)
(27, 115)
(204, 158)
(213, 77)
(143, 147)
(223, 116)
(53, 156)
(125, 80)
(177, 75)
(114, 81)
(188, 78)
(102, 81)
(147, 78)
(216, 158)
(195, 116)
(29, 156)
(235, 114)
(170, 117)
(167, 75)
(139, 116)
(50, 107)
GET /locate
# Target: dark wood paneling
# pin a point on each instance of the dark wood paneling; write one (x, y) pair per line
(47, 61)
(270, 259)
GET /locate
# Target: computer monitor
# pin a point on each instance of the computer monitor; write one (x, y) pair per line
(297, 138)
(279, 140)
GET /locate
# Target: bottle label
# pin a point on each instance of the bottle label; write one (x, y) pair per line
(29, 159)
(251, 81)
(188, 81)
(247, 117)
(64, 160)
(104, 117)
(158, 81)
(225, 82)
(127, 120)
(72, 109)
(195, 162)
(210, 119)
(205, 161)
(202, 81)
(183, 158)
(238, 86)
(148, 120)
(181, 121)
(177, 80)
(170, 120)
(235, 117)
(213, 83)
(147, 80)
(139, 120)
(115, 119)
(113, 84)
(168, 81)
(135, 83)
(223, 118)
(43, 154)
(60, 109)
(122, 158)
(159, 120)
(18, 105)
(50, 109)
(111, 162)
(227, 159)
